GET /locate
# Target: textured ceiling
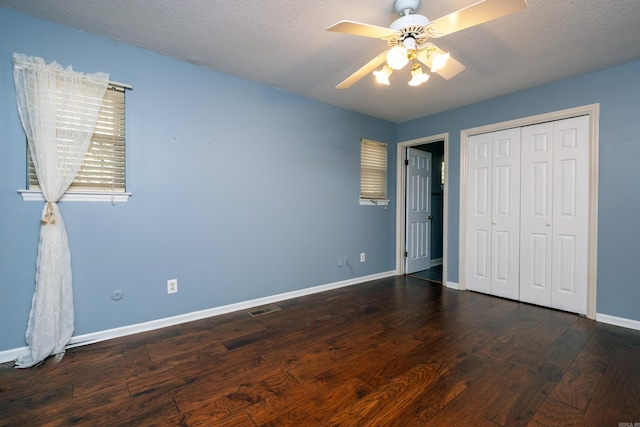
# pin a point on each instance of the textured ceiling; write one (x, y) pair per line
(283, 43)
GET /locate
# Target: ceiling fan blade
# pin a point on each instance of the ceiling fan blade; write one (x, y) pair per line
(478, 13)
(452, 67)
(366, 69)
(366, 30)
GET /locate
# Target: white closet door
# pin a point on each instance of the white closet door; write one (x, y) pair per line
(478, 235)
(536, 214)
(570, 214)
(493, 227)
(505, 221)
(554, 212)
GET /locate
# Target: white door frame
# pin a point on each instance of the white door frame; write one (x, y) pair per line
(593, 112)
(401, 196)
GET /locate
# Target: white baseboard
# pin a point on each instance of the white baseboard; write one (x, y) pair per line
(436, 262)
(12, 354)
(453, 285)
(618, 321)
(94, 337)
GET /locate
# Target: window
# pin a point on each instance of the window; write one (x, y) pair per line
(102, 175)
(373, 173)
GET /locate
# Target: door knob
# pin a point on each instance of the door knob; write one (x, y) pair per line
(430, 217)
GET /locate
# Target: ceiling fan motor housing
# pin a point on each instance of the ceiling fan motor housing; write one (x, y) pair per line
(410, 24)
(405, 7)
(410, 27)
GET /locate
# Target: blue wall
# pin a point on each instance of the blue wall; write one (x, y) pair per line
(617, 90)
(243, 191)
(240, 191)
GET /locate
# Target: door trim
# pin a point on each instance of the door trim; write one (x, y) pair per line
(593, 112)
(401, 186)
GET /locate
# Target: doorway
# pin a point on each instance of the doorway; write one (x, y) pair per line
(435, 270)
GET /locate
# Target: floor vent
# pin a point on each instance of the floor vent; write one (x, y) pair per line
(265, 310)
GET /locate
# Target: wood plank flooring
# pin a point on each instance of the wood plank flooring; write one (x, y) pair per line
(393, 352)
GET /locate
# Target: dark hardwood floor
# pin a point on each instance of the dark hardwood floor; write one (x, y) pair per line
(393, 352)
(434, 274)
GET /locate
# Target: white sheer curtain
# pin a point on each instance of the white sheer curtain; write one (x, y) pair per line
(58, 109)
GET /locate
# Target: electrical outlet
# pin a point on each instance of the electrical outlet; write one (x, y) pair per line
(362, 257)
(172, 286)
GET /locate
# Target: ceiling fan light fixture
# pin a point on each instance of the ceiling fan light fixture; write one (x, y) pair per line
(382, 76)
(397, 57)
(408, 36)
(417, 76)
(439, 61)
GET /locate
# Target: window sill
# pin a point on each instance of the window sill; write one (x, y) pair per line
(374, 202)
(73, 196)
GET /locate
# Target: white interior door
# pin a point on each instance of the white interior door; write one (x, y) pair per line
(554, 226)
(505, 221)
(570, 214)
(536, 214)
(493, 220)
(479, 188)
(418, 211)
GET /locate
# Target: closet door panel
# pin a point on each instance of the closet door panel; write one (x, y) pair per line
(479, 182)
(536, 214)
(505, 214)
(570, 216)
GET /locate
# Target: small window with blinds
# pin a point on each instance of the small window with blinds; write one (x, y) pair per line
(373, 172)
(104, 166)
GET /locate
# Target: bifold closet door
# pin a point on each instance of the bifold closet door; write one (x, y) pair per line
(493, 217)
(537, 214)
(554, 210)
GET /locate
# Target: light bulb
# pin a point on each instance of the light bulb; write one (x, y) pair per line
(439, 61)
(418, 77)
(397, 57)
(382, 76)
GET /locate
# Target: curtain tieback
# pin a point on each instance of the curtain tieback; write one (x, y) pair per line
(49, 217)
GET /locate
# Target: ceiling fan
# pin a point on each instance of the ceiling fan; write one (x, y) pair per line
(408, 37)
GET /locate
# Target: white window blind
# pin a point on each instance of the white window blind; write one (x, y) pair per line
(373, 170)
(104, 167)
